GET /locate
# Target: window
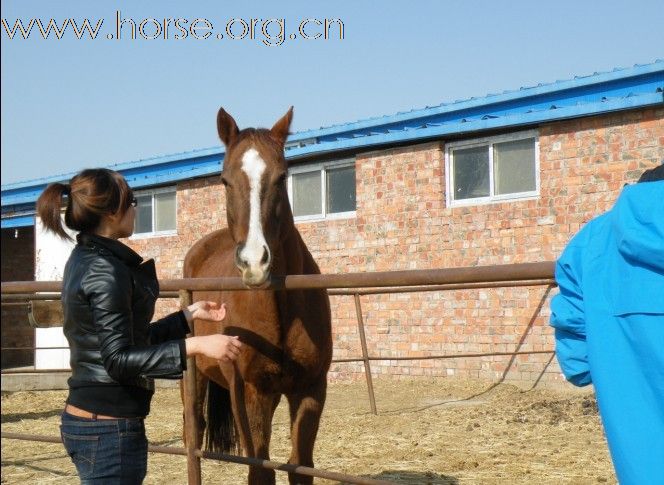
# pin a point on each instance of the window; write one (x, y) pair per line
(323, 191)
(156, 212)
(492, 169)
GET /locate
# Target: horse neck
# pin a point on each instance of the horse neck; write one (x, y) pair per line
(289, 257)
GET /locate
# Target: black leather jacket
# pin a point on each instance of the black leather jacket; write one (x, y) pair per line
(108, 298)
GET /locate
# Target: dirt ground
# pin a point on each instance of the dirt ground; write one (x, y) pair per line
(440, 431)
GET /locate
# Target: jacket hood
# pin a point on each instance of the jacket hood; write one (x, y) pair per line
(638, 224)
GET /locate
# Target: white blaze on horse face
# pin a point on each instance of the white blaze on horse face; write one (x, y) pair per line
(252, 253)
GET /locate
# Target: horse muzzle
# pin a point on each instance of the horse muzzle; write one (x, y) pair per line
(255, 279)
(255, 271)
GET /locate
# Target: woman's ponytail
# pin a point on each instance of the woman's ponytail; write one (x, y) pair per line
(49, 207)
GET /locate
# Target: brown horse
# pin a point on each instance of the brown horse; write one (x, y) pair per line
(286, 334)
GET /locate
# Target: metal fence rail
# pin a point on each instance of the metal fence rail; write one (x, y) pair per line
(242, 460)
(421, 277)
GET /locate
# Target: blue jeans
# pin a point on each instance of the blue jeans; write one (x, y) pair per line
(106, 451)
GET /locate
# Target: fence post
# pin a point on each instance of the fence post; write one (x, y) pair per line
(191, 421)
(365, 353)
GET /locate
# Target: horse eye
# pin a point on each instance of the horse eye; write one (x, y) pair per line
(281, 178)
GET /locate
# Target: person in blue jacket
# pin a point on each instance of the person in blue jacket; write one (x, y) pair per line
(609, 324)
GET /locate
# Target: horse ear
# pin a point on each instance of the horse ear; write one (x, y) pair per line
(280, 129)
(226, 127)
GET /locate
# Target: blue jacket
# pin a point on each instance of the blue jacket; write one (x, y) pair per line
(609, 326)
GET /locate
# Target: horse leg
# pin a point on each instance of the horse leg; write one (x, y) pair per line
(201, 389)
(306, 407)
(253, 412)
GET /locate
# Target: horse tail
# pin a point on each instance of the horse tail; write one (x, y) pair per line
(220, 433)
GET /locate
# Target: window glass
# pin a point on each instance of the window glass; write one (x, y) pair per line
(143, 222)
(471, 173)
(514, 166)
(164, 211)
(341, 189)
(307, 198)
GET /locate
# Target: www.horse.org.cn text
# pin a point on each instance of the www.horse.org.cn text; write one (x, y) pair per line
(270, 32)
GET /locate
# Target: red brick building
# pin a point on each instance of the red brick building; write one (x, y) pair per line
(503, 179)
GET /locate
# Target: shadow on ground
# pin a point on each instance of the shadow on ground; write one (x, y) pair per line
(415, 478)
(29, 464)
(14, 418)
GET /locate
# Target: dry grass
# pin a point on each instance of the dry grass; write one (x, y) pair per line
(431, 432)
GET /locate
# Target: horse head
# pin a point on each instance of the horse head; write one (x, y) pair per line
(257, 207)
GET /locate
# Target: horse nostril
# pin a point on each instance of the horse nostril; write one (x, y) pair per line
(266, 256)
(239, 262)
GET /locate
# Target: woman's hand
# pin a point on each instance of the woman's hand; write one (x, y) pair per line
(205, 310)
(224, 348)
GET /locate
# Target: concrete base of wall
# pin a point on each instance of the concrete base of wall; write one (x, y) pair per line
(49, 381)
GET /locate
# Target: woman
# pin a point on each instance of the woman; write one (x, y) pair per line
(108, 297)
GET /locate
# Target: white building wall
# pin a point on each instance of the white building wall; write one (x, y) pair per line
(51, 255)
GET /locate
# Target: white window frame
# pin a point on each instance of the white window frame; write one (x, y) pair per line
(152, 193)
(489, 141)
(322, 168)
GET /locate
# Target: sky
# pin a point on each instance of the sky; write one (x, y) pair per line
(70, 103)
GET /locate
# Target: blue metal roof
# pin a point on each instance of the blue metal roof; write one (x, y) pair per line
(20, 221)
(596, 80)
(598, 93)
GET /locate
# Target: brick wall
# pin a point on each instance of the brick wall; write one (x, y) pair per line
(201, 209)
(402, 222)
(18, 263)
